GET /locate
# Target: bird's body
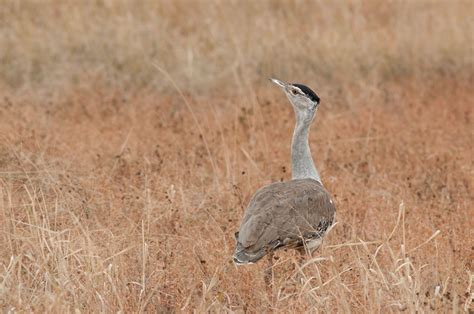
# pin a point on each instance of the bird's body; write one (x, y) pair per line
(296, 213)
(293, 214)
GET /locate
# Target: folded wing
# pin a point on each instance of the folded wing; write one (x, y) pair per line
(283, 214)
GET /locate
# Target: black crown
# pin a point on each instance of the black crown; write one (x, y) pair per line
(308, 92)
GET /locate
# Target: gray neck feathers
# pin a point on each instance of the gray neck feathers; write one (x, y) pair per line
(302, 165)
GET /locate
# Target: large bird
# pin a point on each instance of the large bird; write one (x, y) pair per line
(296, 213)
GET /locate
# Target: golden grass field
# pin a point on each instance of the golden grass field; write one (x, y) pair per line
(132, 135)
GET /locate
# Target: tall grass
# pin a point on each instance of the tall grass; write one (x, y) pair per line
(132, 135)
(209, 45)
(111, 203)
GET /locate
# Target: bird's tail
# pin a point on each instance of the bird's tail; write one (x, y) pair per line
(242, 257)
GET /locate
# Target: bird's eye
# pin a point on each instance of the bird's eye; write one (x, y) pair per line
(294, 92)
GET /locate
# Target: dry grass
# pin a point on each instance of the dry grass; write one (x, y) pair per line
(205, 43)
(117, 194)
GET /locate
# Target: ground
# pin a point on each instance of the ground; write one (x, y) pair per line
(123, 196)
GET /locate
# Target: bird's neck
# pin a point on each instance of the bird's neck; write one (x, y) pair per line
(302, 165)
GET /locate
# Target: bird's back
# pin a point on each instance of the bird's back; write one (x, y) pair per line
(283, 214)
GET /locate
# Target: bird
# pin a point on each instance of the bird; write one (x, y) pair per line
(293, 214)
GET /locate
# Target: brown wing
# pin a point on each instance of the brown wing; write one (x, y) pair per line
(283, 213)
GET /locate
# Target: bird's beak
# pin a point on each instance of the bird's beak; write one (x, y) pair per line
(278, 82)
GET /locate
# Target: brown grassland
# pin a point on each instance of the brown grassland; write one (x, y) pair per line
(132, 135)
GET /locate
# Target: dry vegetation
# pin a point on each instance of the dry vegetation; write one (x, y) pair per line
(122, 183)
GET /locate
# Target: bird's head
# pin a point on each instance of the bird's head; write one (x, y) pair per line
(303, 99)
